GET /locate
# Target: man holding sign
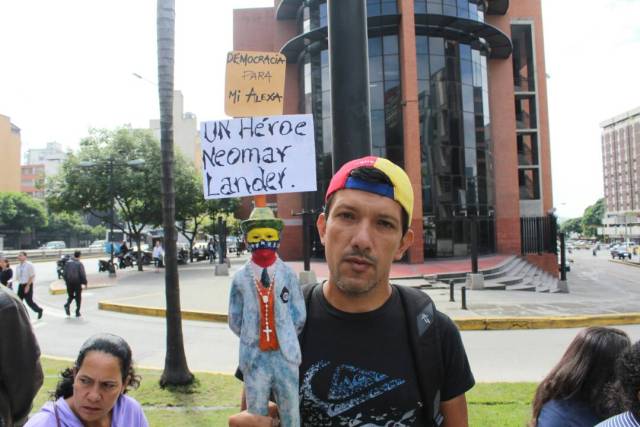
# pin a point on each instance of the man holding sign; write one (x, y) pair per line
(374, 353)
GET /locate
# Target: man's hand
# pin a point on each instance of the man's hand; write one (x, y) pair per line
(26, 288)
(244, 418)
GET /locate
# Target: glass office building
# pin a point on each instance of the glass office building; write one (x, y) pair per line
(439, 118)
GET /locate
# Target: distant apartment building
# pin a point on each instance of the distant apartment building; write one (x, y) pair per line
(10, 145)
(32, 180)
(621, 164)
(186, 136)
(52, 157)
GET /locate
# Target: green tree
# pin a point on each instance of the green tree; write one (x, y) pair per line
(573, 225)
(592, 218)
(21, 213)
(102, 174)
(176, 371)
(191, 208)
(64, 224)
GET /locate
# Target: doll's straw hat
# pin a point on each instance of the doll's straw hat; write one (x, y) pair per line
(262, 218)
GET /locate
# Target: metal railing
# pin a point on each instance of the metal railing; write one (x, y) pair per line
(538, 235)
(40, 254)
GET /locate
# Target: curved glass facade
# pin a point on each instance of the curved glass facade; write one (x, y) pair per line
(461, 8)
(457, 175)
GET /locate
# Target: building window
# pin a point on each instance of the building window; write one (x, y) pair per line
(457, 177)
(529, 183)
(523, 70)
(461, 8)
(527, 149)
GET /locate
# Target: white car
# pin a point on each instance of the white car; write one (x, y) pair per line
(56, 244)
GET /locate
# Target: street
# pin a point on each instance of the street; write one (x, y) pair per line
(510, 355)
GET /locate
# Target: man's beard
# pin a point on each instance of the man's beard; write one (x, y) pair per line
(355, 290)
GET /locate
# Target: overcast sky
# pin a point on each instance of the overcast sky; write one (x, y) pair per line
(67, 66)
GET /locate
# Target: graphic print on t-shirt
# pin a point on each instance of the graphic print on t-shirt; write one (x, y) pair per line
(350, 390)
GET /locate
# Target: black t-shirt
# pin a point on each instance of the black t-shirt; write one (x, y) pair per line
(358, 367)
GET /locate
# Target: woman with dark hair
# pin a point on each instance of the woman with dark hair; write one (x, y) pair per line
(574, 393)
(6, 273)
(93, 392)
(628, 390)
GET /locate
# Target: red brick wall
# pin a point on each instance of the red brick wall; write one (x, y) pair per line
(547, 262)
(257, 29)
(411, 123)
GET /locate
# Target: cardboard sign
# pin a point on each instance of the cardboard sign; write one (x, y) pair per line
(258, 155)
(254, 84)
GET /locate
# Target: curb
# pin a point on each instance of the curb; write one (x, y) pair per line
(463, 323)
(58, 287)
(161, 312)
(545, 322)
(631, 263)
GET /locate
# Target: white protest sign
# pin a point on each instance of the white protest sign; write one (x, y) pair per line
(258, 155)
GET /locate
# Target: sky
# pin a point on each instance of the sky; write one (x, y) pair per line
(68, 66)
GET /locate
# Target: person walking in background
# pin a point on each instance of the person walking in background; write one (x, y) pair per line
(211, 248)
(74, 277)
(158, 255)
(575, 392)
(93, 392)
(627, 390)
(20, 371)
(6, 273)
(25, 276)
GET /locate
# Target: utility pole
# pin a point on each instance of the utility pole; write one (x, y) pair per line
(349, 65)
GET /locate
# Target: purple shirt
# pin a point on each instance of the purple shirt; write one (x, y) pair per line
(127, 412)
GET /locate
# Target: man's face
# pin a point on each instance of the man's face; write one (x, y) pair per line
(362, 236)
(21, 257)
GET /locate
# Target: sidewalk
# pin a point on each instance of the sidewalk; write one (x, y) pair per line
(204, 296)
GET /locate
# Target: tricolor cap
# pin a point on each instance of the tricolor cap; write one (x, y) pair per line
(401, 191)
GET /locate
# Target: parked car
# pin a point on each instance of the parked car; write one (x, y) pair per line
(200, 251)
(56, 244)
(621, 252)
(232, 244)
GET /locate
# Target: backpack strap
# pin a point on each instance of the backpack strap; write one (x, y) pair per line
(426, 348)
(307, 291)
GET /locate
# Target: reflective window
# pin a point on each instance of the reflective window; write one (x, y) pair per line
(375, 46)
(457, 171)
(523, 69)
(526, 113)
(468, 9)
(375, 69)
(527, 149)
(391, 67)
(529, 183)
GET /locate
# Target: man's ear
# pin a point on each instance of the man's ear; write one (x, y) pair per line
(405, 243)
(321, 225)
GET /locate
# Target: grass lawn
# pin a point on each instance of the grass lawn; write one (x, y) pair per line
(214, 397)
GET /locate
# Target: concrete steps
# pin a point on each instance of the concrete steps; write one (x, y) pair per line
(515, 274)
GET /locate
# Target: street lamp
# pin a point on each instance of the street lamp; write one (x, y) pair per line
(110, 164)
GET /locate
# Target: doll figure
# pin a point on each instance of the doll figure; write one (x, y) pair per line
(267, 311)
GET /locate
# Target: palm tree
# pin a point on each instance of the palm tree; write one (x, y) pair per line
(176, 371)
